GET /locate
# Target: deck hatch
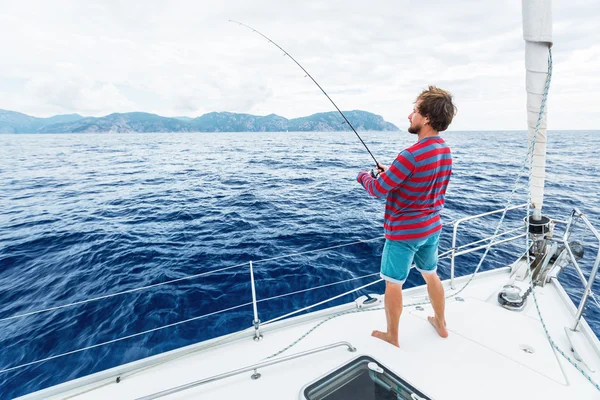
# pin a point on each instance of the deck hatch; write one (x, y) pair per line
(363, 378)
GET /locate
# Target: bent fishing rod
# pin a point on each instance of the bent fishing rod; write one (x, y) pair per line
(285, 53)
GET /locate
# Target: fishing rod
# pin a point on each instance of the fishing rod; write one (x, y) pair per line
(285, 53)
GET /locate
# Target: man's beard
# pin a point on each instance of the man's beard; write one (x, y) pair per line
(414, 129)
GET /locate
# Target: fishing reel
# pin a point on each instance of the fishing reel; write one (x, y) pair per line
(375, 172)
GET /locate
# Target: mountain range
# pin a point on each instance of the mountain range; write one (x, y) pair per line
(15, 122)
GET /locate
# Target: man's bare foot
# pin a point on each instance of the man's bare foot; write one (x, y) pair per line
(385, 336)
(439, 327)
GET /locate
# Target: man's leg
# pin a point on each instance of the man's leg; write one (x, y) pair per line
(438, 301)
(393, 310)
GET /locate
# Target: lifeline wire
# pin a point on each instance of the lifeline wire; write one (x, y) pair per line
(13, 368)
(120, 339)
(316, 83)
(106, 296)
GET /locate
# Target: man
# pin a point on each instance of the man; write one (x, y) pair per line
(415, 187)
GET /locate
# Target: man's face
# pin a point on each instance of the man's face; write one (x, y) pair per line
(416, 120)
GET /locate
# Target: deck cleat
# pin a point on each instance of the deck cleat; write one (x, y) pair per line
(367, 301)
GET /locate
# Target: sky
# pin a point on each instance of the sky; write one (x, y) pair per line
(183, 58)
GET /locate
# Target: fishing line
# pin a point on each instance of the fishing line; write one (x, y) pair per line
(285, 53)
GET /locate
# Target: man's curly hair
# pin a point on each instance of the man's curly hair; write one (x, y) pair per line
(436, 104)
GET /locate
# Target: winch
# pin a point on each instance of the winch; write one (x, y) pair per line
(510, 298)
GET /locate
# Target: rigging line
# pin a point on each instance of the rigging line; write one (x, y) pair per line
(176, 280)
(316, 83)
(119, 293)
(123, 338)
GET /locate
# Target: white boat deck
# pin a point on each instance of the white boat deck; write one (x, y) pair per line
(481, 359)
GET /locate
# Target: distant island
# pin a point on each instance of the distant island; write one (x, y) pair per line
(15, 122)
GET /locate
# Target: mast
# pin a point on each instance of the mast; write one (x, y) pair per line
(537, 32)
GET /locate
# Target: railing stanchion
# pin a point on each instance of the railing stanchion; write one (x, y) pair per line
(453, 250)
(586, 293)
(256, 321)
(593, 273)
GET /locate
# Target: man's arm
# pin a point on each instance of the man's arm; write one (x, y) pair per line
(392, 177)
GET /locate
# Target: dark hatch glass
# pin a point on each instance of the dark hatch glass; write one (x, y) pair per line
(356, 380)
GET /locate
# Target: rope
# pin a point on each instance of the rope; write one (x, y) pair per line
(555, 346)
(228, 337)
(295, 342)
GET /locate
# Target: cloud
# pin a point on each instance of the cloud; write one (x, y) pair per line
(70, 92)
(184, 58)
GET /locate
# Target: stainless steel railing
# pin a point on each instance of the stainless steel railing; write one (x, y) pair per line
(466, 249)
(587, 283)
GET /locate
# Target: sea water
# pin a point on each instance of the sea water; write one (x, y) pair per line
(87, 215)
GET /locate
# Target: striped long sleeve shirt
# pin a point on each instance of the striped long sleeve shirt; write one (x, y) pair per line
(415, 189)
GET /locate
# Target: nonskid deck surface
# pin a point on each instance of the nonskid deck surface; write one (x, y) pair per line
(491, 353)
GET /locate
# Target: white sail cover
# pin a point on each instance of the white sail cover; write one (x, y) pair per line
(537, 32)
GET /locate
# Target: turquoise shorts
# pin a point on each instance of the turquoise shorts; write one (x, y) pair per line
(398, 257)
